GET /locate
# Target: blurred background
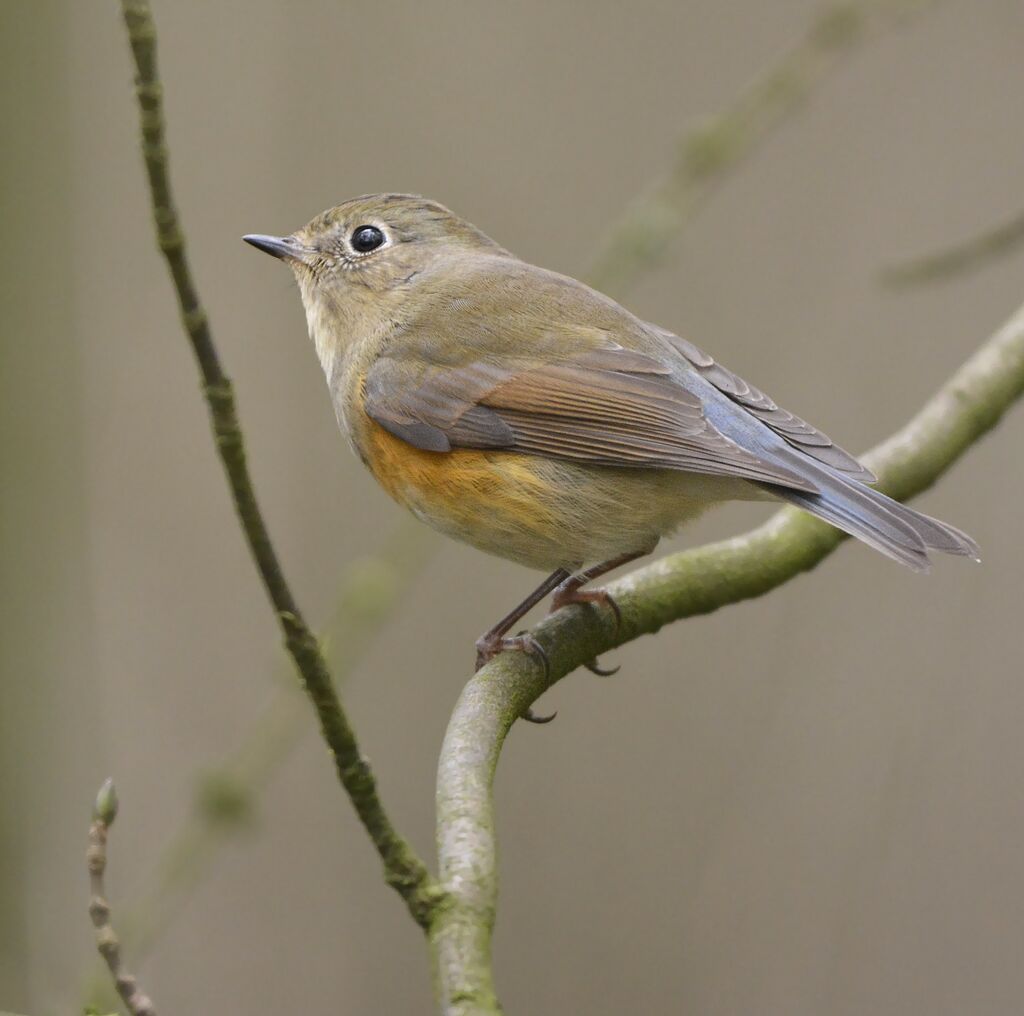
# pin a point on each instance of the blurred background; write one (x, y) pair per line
(806, 804)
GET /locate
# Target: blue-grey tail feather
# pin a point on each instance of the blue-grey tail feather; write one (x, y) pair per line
(890, 527)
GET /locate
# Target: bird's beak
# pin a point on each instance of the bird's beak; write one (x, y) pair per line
(283, 247)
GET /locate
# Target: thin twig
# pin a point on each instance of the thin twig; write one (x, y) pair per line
(678, 586)
(403, 869)
(137, 1001)
(640, 240)
(964, 257)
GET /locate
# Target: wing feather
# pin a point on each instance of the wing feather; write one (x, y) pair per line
(799, 433)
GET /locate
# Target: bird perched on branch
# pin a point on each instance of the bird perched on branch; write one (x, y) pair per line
(524, 413)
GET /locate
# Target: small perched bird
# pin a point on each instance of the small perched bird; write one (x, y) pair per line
(524, 413)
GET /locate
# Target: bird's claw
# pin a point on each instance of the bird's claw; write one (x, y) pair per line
(488, 648)
(594, 668)
(531, 717)
(563, 598)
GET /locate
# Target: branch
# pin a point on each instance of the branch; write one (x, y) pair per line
(109, 945)
(681, 585)
(403, 870)
(640, 240)
(963, 257)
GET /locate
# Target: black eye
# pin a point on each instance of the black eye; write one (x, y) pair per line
(366, 238)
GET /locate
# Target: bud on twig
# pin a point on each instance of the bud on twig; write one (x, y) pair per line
(105, 808)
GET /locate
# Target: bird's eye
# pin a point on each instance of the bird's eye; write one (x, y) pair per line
(366, 238)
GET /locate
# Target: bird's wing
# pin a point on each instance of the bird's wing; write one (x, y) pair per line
(798, 433)
(523, 359)
(600, 404)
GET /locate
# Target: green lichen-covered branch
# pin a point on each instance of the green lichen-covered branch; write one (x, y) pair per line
(678, 586)
(402, 868)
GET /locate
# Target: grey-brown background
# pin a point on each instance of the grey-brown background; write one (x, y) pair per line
(807, 804)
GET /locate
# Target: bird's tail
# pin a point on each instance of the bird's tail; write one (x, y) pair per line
(894, 529)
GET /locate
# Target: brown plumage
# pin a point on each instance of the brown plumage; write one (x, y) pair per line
(522, 412)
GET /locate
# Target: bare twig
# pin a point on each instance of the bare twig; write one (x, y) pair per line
(403, 869)
(681, 585)
(964, 257)
(640, 240)
(137, 1002)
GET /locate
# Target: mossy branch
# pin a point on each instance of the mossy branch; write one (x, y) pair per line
(403, 870)
(678, 586)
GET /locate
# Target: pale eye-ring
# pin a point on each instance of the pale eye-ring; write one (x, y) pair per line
(366, 238)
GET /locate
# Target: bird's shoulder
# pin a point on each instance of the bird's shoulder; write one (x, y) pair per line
(497, 306)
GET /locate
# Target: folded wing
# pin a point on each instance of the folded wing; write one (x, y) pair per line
(605, 406)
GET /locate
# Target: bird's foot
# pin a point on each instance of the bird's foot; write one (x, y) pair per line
(571, 594)
(490, 646)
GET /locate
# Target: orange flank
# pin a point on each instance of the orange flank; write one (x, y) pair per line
(542, 512)
(464, 491)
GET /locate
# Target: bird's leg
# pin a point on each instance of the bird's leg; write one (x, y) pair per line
(496, 641)
(571, 591)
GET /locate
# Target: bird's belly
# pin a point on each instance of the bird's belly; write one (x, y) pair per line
(543, 513)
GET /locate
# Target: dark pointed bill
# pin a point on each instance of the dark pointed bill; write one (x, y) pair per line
(277, 246)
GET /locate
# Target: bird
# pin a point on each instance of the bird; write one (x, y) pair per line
(522, 412)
